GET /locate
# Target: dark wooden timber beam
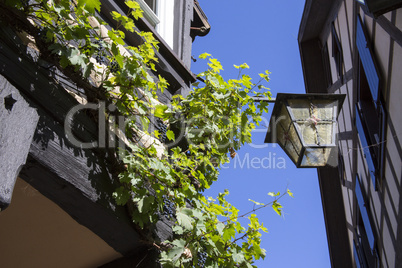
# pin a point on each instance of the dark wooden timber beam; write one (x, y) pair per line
(17, 125)
(335, 219)
(313, 67)
(79, 180)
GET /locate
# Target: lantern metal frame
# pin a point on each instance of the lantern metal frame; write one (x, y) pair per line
(283, 99)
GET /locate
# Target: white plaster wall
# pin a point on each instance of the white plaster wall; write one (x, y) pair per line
(350, 18)
(376, 212)
(332, 64)
(395, 109)
(344, 38)
(368, 23)
(393, 167)
(388, 15)
(398, 21)
(382, 43)
(389, 204)
(388, 256)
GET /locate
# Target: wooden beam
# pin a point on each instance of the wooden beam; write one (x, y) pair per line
(315, 18)
(334, 216)
(80, 180)
(18, 122)
(394, 32)
(315, 78)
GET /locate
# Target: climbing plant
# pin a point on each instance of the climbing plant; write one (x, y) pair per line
(196, 134)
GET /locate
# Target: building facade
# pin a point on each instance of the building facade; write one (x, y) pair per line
(355, 48)
(56, 203)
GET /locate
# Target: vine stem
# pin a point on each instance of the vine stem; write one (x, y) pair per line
(249, 212)
(255, 209)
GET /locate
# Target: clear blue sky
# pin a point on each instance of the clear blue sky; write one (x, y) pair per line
(263, 33)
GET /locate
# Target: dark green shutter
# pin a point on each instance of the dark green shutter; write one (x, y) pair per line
(365, 145)
(367, 60)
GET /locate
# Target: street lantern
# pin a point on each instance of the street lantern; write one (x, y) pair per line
(305, 125)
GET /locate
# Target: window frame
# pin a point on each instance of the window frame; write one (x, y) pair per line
(359, 259)
(367, 60)
(161, 17)
(371, 116)
(337, 52)
(326, 63)
(365, 147)
(341, 168)
(365, 236)
(364, 212)
(150, 13)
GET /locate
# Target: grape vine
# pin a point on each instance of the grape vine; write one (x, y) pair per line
(216, 119)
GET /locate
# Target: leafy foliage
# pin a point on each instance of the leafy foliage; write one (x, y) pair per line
(200, 131)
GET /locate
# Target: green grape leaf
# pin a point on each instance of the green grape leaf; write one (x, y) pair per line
(277, 207)
(183, 216)
(90, 5)
(274, 194)
(160, 110)
(170, 135)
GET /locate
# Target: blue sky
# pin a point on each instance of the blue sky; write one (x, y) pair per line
(263, 33)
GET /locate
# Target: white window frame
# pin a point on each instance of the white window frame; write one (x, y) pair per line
(162, 18)
(149, 14)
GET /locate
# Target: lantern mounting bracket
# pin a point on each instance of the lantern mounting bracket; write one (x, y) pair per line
(263, 99)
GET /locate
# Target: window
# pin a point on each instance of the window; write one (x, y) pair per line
(327, 66)
(150, 8)
(337, 53)
(161, 15)
(359, 259)
(364, 214)
(367, 60)
(341, 168)
(370, 114)
(152, 5)
(365, 145)
(365, 249)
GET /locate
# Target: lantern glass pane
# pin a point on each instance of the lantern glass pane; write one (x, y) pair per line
(282, 124)
(314, 119)
(315, 157)
(308, 132)
(325, 133)
(325, 109)
(293, 145)
(300, 109)
(287, 136)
